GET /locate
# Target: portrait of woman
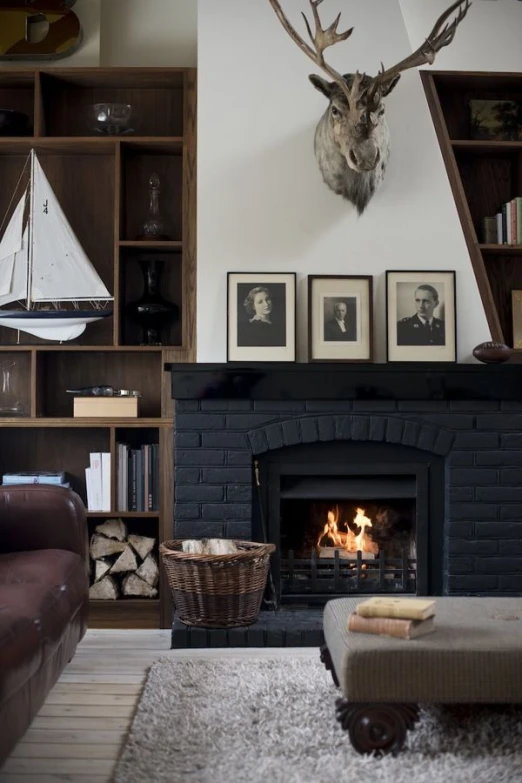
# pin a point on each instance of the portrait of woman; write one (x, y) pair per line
(264, 323)
(261, 314)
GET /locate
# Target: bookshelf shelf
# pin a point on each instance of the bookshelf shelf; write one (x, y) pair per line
(101, 183)
(498, 250)
(484, 174)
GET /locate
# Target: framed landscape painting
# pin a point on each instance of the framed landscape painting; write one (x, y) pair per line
(421, 316)
(340, 318)
(261, 316)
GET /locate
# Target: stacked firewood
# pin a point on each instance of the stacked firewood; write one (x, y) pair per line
(121, 564)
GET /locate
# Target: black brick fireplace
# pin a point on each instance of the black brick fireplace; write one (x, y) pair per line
(448, 437)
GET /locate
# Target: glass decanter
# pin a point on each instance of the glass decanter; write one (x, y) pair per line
(153, 228)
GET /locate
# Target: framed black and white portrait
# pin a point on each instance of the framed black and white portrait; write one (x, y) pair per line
(261, 317)
(421, 316)
(340, 318)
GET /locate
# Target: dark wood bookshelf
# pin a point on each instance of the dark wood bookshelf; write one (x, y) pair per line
(483, 175)
(101, 183)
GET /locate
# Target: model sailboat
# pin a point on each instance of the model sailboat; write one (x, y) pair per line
(42, 261)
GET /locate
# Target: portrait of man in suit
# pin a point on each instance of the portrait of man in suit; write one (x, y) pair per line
(423, 327)
(340, 319)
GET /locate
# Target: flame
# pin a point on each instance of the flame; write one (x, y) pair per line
(348, 540)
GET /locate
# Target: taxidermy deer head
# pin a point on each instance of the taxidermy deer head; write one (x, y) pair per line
(352, 140)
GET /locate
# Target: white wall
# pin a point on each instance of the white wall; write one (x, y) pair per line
(149, 32)
(262, 205)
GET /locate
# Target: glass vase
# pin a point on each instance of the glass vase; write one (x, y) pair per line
(152, 312)
(10, 404)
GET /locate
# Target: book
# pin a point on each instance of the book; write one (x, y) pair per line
(407, 608)
(36, 477)
(390, 626)
(105, 407)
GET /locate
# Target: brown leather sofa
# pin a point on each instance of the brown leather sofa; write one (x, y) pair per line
(43, 598)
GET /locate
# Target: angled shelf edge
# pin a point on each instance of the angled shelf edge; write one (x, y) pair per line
(483, 174)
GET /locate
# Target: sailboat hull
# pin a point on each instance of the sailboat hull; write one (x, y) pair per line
(60, 325)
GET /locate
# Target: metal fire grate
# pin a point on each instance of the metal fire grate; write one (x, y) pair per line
(322, 578)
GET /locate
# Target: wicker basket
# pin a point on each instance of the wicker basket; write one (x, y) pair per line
(217, 591)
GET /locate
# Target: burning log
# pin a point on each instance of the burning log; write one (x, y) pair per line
(329, 552)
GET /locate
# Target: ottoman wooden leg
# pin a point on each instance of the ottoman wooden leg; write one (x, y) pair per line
(326, 659)
(376, 728)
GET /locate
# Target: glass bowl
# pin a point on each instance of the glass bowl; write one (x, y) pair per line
(112, 118)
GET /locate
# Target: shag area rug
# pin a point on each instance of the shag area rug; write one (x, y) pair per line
(273, 721)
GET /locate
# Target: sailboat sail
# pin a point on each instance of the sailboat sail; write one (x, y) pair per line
(18, 279)
(61, 270)
(10, 246)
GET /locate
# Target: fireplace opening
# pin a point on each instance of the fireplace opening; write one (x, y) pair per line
(340, 546)
(352, 518)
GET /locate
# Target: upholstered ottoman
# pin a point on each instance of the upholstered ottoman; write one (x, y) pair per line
(474, 655)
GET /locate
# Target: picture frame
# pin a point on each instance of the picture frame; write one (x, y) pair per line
(497, 119)
(421, 316)
(340, 318)
(516, 309)
(261, 316)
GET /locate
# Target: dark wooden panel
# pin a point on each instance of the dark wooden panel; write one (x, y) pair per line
(189, 216)
(489, 181)
(124, 613)
(137, 167)
(61, 370)
(68, 107)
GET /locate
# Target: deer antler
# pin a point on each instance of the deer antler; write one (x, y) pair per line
(441, 35)
(321, 39)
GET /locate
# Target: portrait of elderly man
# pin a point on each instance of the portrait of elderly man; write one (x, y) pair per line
(340, 319)
(423, 327)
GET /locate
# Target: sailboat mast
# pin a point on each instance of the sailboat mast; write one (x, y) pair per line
(30, 233)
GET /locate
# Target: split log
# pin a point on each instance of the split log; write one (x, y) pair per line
(101, 567)
(149, 571)
(220, 546)
(192, 546)
(113, 528)
(102, 546)
(106, 589)
(133, 585)
(142, 545)
(125, 562)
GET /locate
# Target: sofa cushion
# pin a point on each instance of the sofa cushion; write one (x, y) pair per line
(57, 577)
(21, 638)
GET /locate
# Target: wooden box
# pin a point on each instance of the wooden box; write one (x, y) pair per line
(105, 407)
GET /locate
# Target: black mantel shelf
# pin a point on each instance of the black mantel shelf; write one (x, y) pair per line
(324, 381)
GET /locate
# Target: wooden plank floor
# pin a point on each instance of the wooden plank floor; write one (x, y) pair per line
(78, 734)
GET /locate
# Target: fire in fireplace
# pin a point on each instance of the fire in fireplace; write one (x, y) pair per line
(334, 548)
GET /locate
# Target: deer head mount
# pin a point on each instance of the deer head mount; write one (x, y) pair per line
(352, 140)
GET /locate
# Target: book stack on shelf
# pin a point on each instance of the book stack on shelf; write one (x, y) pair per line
(58, 479)
(403, 618)
(138, 477)
(98, 481)
(504, 228)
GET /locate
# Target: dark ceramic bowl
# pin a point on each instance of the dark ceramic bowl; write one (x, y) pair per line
(492, 353)
(13, 123)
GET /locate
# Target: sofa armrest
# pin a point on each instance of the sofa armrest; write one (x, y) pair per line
(42, 516)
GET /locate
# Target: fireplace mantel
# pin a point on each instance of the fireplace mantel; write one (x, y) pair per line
(328, 381)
